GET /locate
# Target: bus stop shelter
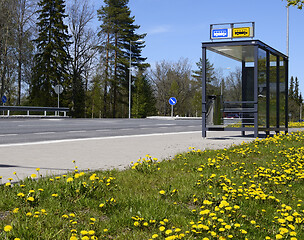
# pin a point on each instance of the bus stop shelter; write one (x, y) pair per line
(262, 100)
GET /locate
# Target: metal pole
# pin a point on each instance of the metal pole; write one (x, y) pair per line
(130, 76)
(58, 103)
(287, 33)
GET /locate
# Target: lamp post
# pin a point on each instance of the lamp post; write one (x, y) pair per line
(287, 33)
(130, 79)
(130, 75)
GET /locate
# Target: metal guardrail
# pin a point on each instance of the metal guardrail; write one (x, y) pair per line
(29, 109)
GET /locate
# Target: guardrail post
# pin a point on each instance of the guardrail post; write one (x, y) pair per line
(35, 109)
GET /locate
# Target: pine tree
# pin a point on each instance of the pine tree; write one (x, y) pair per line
(143, 103)
(51, 60)
(296, 90)
(291, 87)
(198, 74)
(118, 29)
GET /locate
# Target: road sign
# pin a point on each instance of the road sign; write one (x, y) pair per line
(230, 30)
(58, 89)
(241, 32)
(221, 33)
(172, 101)
(4, 99)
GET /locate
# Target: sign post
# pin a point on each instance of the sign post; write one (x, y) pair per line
(58, 90)
(172, 102)
(3, 99)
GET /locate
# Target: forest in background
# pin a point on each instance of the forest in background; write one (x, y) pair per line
(44, 43)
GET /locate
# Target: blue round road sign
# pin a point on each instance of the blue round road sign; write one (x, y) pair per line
(172, 101)
(4, 99)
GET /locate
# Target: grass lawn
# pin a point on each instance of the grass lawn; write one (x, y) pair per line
(251, 191)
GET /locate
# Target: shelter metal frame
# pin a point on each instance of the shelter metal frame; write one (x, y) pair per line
(254, 103)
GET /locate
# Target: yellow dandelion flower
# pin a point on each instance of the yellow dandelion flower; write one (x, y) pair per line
(16, 210)
(7, 228)
(162, 228)
(31, 199)
(20, 195)
(83, 232)
(70, 179)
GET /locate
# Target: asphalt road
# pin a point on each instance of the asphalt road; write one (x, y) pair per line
(53, 144)
(37, 130)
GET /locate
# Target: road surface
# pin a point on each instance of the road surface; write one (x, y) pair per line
(52, 145)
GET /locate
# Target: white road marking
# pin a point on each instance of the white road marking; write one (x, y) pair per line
(51, 119)
(80, 131)
(44, 133)
(94, 139)
(7, 135)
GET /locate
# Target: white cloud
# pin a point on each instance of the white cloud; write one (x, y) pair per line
(159, 30)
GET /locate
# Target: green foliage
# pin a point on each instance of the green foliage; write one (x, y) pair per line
(298, 3)
(294, 99)
(51, 59)
(121, 41)
(253, 191)
(143, 100)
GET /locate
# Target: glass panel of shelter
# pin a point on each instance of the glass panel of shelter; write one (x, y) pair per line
(232, 83)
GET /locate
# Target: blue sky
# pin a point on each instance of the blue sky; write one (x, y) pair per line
(176, 28)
